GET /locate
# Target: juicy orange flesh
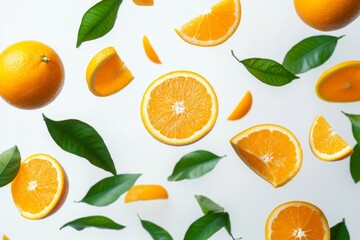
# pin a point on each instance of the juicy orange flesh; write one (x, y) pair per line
(179, 107)
(146, 192)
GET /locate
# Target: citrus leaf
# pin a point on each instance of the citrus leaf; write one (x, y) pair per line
(109, 189)
(355, 164)
(310, 53)
(207, 205)
(155, 231)
(340, 232)
(98, 20)
(81, 139)
(355, 122)
(9, 165)
(194, 165)
(93, 221)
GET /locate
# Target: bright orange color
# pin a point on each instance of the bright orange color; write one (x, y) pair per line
(325, 143)
(149, 50)
(271, 151)
(5, 237)
(341, 83)
(146, 192)
(179, 108)
(214, 27)
(144, 2)
(297, 220)
(242, 108)
(40, 188)
(107, 74)
(31, 74)
(327, 15)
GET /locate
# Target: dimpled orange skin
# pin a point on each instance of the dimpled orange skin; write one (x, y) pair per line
(31, 74)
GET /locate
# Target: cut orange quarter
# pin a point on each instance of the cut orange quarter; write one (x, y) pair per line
(40, 187)
(297, 220)
(325, 143)
(146, 192)
(242, 108)
(340, 83)
(149, 50)
(107, 74)
(144, 2)
(179, 108)
(213, 28)
(271, 151)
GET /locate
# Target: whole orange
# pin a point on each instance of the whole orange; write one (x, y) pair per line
(31, 74)
(327, 15)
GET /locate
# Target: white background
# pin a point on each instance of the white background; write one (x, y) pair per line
(268, 29)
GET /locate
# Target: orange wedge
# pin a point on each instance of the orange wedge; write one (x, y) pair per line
(40, 187)
(145, 192)
(5, 237)
(271, 151)
(242, 108)
(179, 108)
(297, 220)
(144, 2)
(340, 83)
(214, 27)
(325, 143)
(149, 50)
(107, 74)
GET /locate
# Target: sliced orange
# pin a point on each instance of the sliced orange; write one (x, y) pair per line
(149, 50)
(297, 220)
(214, 27)
(271, 151)
(107, 74)
(341, 83)
(242, 108)
(146, 192)
(40, 187)
(144, 2)
(325, 143)
(179, 108)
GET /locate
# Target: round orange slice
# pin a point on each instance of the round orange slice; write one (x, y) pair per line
(325, 143)
(149, 50)
(297, 220)
(40, 187)
(107, 74)
(242, 108)
(340, 83)
(145, 192)
(179, 108)
(213, 28)
(271, 151)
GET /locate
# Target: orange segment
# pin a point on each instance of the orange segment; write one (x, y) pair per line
(107, 74)
(271, 151)
(40, 187)
(179, 108)
(325, 143)
(297, 220)
(213, 28)
(146, 192)
(144, 2)
(5, 237)
(149, 50)
(340, 83)
(242, 108)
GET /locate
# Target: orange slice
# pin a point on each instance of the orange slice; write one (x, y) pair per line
(5, 237)
(146, 192)
(297, 220)
(107, 74)
(40, 187)
(242, 108)
(179, 108)
(325, 143)
(213, 28)
(144, 2)
(271, 151)
(149, 50)
(340, 83)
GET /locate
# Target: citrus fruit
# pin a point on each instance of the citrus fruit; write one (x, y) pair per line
(40, 187)
(271, 151)
(325, 143)
(179, 108)
(327, 15)
(214, 27)
(149, 50)
(340, 83)
(31, 74)
(242, 108)
(146, 192)
(5, 237)
(297, 220)
(144, 2)
(107, 74)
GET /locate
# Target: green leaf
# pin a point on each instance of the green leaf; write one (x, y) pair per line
(98, 20)
(109, 189)
(310, 53)
(93, 221)
(82, 140)
(355, 164)
(355, 122)
(9, 165)
(340, 232)
(194, 165)
(268, 71)
(208, 206)
(156, 232)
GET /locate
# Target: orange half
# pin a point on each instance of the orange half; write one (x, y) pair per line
(146, 192)
(149, 50)
(242, 108)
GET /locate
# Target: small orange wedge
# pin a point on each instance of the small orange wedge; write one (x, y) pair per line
(145, 192)
(149, 50)
(242, 108)
(144, 2)
(5, 237)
